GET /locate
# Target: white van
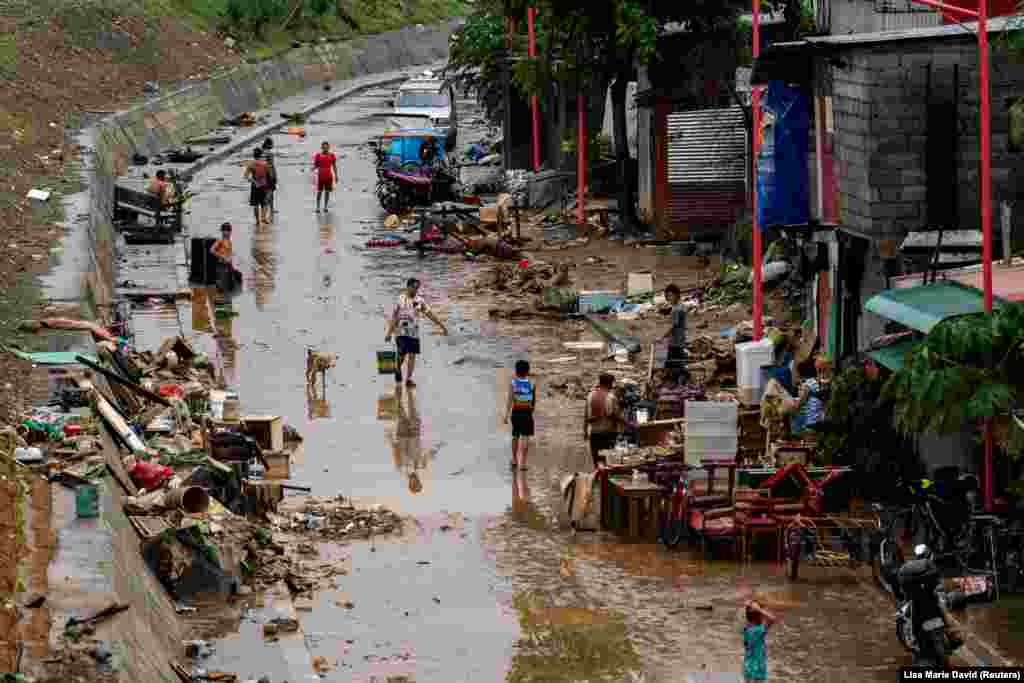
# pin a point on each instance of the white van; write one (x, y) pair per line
(426, 101)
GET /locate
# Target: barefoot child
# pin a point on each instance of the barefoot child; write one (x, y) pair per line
(522, 398)
(755, 658)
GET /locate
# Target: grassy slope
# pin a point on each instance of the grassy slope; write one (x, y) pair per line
(372, 16)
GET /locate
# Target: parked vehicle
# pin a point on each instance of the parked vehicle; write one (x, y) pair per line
(942, 517)
(414, 170)
(427, 102)
(920, 618)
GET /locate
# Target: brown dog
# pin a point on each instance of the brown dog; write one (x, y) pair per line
(318, 362)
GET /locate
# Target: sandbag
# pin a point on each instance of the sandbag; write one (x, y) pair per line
(581, 501)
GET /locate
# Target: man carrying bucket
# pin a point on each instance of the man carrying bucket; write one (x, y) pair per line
(405, 318)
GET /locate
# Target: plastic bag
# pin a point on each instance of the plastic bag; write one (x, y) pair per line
(150, 475)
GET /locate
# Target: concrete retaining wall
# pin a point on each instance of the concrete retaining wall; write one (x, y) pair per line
(170, 120)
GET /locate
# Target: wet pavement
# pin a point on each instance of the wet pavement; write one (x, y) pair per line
(484, 585)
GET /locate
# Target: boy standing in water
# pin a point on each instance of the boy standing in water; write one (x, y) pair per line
(755, 657)
(326, 166)
(268, 156)
(522, 399)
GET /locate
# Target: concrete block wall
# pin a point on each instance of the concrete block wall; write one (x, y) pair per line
(880, 105)
(196, 109)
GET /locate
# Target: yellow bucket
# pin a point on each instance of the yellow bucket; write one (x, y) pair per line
(387, 408)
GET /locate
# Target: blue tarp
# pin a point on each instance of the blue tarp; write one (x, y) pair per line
(783, 192)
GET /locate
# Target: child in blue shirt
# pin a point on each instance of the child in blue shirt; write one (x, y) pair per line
(755, 657)
(522, 399)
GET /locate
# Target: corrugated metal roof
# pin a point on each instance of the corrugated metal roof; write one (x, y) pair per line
(967, 29)
(922, 308)
(892, 356)
(707, 146)
(1007, 281)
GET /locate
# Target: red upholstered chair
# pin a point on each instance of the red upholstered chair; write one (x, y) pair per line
(713, 525)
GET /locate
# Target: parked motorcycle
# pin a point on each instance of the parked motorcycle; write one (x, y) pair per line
(921, 624)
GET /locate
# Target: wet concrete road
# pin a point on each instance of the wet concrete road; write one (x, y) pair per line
(484, 586)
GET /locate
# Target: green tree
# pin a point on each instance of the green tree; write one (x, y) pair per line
(968, 369)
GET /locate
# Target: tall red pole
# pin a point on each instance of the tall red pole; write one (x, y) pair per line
(534, 105)
(755, 107)
(986, 211)
(581, 157)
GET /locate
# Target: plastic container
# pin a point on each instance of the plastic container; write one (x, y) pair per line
(87, 501)
(71, 430)
(712, 411)
(750, 358)
(387, 361)
(232, 407)
(711, 444)
(28, 456)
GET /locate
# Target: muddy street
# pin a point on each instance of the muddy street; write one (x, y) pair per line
(483, 585)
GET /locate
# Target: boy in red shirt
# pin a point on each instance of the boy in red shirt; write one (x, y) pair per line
(326, 166)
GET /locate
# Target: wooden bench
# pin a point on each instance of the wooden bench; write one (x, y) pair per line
(131, 203)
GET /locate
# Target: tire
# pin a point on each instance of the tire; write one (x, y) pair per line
(905, 634)
(675, 524)
(883, 566)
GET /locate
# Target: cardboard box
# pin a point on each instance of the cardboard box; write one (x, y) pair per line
(267, 430)
(489, 215)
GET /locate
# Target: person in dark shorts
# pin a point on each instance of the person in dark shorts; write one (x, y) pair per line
(405, 318)
(602, 418)
(522, 399)
(258, 173)
(268, 156)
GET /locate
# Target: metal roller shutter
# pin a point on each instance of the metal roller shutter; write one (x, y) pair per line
(707, 169)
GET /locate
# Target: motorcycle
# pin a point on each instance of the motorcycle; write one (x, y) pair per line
(921, 624)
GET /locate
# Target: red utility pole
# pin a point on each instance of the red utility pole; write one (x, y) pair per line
(755, 108)
(985, 191)
(581, 156)
(534, 105)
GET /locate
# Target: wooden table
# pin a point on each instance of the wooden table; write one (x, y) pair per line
(635, 493)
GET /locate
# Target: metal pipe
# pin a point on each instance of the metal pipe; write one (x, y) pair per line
(950, 8)
(534, 103)
(755, 229)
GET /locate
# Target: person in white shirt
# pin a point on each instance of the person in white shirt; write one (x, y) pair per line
(405, 319)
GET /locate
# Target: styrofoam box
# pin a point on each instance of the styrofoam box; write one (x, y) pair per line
(750, 358)
(712, 411)
(709, 428)
(711, 444)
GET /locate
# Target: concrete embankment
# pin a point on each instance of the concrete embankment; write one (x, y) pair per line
(98, 562)
(168, 121)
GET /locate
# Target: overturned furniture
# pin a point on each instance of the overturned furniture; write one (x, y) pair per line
(163, 220)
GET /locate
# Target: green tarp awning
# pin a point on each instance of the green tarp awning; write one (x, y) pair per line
(49, 358)
(923, 307)
(892, 356)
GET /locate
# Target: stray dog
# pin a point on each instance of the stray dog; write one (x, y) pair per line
(318, 362)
